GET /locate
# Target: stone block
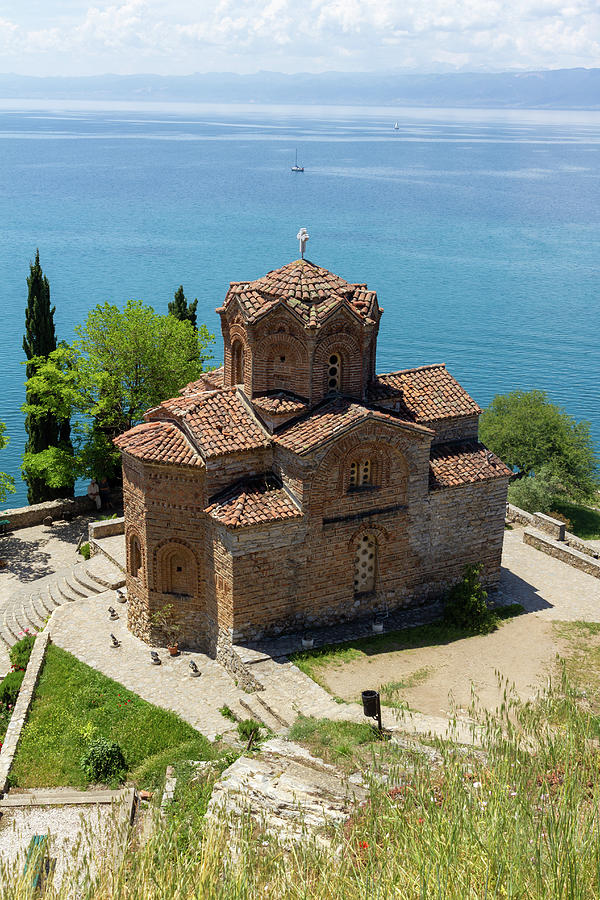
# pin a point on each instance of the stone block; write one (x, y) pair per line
(554, 527)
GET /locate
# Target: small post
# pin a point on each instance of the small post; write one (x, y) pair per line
(372, 707)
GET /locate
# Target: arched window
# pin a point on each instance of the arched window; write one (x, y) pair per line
(237, 363)
(135, 555)
(365, 564)
(334, 373)
(361, 473)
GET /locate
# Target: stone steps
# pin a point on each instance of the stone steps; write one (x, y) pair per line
(85, 582)
(30, 611)
(253, 709)
(101, 571)
(62, 797)
(289, 692)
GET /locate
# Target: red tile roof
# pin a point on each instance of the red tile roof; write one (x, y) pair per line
(309, 290)
(330, 419)
(161, 442)
(425, 394)
(209, 381)
(454, 464)
(253, 501)
(218, 423)
(280, 403)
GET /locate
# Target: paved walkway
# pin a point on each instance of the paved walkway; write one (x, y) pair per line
(32, 553)
(546, 586)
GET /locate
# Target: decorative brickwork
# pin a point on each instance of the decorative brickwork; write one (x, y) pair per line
(294, 487)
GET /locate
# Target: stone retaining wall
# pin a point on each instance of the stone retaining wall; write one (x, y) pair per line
(537, 520)
(67, 508)
(13, 733)
(514, 514)
(561, 550)
(234, 664)
(106, 528)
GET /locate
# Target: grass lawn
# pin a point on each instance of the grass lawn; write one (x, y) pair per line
(581, 658)
(74, 704)
(343, 744)
(585, 522)
(313, 662)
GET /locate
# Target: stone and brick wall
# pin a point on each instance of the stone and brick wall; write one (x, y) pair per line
(27, 516)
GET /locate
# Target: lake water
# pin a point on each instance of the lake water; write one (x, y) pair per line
(480, 230)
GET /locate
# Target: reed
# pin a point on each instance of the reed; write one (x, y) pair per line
(515, 816)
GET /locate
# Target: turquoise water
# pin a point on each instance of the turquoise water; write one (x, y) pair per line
(480, 230)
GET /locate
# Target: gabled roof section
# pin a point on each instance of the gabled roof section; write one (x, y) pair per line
(218, 422)
(426, 394)
(208, 381)
(308, 290)
(259, 500)
(463, 463)
(159, 442)
(280, 403)
(332, 418)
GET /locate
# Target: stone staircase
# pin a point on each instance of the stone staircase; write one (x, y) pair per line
(29, 609)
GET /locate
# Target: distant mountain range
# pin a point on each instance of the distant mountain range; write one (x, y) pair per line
(550, 89)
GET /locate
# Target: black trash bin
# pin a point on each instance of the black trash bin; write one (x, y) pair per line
(370, 704)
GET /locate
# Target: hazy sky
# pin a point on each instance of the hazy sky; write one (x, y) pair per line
(67, 37)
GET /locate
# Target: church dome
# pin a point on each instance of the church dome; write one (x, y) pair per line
(311, 291)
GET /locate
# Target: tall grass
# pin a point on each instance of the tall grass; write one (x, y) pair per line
(515, 817)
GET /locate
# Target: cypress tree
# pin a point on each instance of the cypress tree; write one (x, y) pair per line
(183, 311)
(40, 340)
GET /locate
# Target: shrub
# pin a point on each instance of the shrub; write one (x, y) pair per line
(85, 550)
(465, 606)
(248, 728)
(227, 713)
(104, 762)
(21, 651)
(559, 516)
(9, 688)
(537, 493)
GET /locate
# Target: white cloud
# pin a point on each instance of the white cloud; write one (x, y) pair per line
(247, 35)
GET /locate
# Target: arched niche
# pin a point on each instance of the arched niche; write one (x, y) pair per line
(281, 363)
(176, 569)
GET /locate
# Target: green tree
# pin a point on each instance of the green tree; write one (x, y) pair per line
(182, 310)
(45, 431)
(7, 484)
(122, 363)
(530, 433)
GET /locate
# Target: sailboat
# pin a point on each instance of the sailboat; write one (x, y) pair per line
(396, 126)
(296, 167)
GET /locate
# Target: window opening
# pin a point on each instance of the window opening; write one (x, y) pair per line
(360, 473)
(237, 362)
(334, 373)
(365, 560)
(135, 556)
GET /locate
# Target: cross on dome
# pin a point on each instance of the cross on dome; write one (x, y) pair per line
(303, 237)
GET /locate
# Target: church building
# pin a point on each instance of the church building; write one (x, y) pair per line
(294, 487)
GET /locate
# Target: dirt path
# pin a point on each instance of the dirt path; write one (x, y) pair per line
(436, 680)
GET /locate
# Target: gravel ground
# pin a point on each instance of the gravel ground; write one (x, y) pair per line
(77, 834)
